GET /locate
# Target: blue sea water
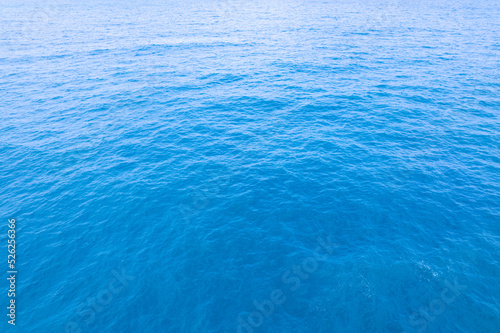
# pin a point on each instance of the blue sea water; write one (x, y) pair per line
(251, 166)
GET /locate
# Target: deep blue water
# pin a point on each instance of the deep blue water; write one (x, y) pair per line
(252, 166)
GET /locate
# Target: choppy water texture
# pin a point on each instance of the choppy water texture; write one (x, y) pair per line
(174, 166)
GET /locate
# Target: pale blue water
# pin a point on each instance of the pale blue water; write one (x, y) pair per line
(177, 166)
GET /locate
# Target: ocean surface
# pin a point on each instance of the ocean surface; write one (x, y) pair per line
(251, 166)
